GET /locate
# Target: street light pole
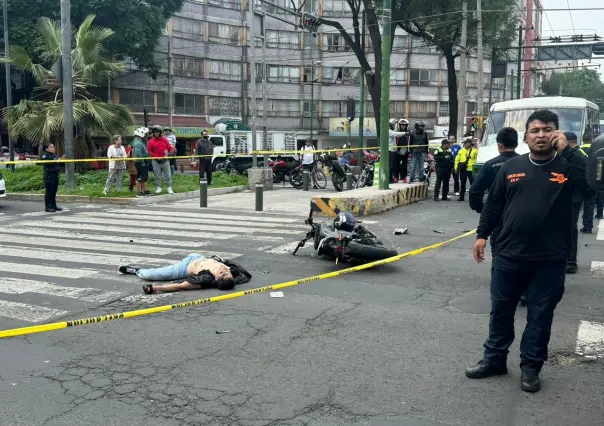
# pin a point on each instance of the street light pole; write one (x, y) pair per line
(9, 88)
(67, 90)
(312, 93)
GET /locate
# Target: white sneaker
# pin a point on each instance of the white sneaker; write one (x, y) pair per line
(170, 190)
(457, 194)
(158, 190)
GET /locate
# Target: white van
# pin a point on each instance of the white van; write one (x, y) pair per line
(575, 114)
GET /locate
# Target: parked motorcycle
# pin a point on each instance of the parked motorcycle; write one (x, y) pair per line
(366, 177)
(345, 239)
(282, 169)
(429, 168)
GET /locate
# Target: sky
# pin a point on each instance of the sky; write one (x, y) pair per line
(557, 23)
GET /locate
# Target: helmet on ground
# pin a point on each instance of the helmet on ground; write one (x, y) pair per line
(344, 221)
(140, 132)
(157, 128)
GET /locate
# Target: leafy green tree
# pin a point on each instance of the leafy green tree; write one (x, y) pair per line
(41, 119)
(137, 25)
(580, 83)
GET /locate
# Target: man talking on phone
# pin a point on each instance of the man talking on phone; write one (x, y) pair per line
(532, 196)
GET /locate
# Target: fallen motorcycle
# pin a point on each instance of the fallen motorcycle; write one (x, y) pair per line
(345, 240)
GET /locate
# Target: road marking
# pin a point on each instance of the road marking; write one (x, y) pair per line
(597, 268)
(221, 217)
(102, 230)
(21, 286)
(189, 220)
(29, 313)
(600, 235)
(49, 271)
(34, 214)
(590, 339)
(285, 248)
(141, 244)
(167, 224)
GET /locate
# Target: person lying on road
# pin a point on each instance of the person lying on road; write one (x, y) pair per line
(198, 272)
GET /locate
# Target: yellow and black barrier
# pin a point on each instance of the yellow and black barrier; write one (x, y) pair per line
(240, 154)
(130, 314)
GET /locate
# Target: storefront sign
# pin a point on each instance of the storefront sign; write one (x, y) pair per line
(339, 127)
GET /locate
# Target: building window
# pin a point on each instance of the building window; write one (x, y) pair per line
(222, 105)
(335, 8)
(399, 43)
(138, 100)
(443, 110)
(344, 75)
(187, 28)
(419, 45)
(222, 33)
(471, 108)
(422, 109)
(334, 109)
(186, 66)
(308, 71)
(472, 79)
(224, 70)
(307, 105)
(282, 39)
(397, 109)
(269, 8)
(283, 108)
(398, 78)
(335, 43)
(423, 77)
(283, 74)
(188, 104)
(310, 41)
(226, 4)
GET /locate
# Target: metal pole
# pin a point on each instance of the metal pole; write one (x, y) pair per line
(264, 113)
(480, 64)
(461, 107)
(9, 88)
(259, 200)
(512, 86)
(519, 76)
(362, 99)
(170, 81)
(67, 91)
(305, 180)
(348, 181)
(385, 95)
(312, 94)
(252, 56)
(203, 193)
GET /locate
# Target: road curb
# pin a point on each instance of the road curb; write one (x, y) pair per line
(189, 195)
(368, 201)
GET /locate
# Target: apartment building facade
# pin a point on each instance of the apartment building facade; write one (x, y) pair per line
(209, 44)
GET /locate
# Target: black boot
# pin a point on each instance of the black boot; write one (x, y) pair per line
(484, 369)
(49, 210)
(530, 382)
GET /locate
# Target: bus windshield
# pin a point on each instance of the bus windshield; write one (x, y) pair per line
(571, 120)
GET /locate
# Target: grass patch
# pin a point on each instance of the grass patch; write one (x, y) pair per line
(30, 180)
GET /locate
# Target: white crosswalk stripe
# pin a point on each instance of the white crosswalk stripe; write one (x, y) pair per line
(590, 339)
(55, 265)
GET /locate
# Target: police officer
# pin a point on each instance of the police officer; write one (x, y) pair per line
(444, 165)
(51, 179)
(589, 202)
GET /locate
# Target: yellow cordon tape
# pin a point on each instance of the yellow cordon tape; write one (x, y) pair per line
(130, 314)
(101, 159)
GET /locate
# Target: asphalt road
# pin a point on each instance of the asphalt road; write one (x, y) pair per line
(386, 346)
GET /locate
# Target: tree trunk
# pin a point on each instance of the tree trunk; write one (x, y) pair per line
(374, 88)
(452, 79)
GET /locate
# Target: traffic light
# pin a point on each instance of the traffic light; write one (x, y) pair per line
(480, 121)
(310, 22)
(598, 49)
(475, 122)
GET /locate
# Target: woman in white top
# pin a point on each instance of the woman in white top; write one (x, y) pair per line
(117, 168)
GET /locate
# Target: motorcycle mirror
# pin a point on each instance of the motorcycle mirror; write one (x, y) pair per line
(595, 165)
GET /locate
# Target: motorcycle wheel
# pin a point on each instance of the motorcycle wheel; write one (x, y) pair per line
(338, 182)
(369, 253)
(362, 181)
(296, 179)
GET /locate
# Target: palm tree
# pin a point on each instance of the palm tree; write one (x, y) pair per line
(41, 119)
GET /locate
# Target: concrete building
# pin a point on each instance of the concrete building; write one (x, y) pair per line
(211, 76)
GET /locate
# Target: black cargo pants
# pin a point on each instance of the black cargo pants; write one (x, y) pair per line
(544, 285)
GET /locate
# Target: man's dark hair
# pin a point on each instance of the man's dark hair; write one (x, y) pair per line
(545, 116)
(588, 137)
(508, 137)
(445, 141)
(227, 284)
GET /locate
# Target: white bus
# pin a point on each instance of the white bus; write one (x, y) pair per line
(575, 114)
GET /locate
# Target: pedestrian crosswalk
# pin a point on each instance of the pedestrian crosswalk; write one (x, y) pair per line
(52, 265)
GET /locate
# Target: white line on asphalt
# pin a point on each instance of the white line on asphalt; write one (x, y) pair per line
(195, 220)
(21, 286)
(285, 248)
(33, 214)
(590, 339)
(597, 268)
(150, 226)
(29, 313)
(116, 213)
(144, 244)
(49, 271)
(102, 230)
(600, 235)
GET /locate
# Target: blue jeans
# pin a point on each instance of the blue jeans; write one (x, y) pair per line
(177, 271)
(417, 163)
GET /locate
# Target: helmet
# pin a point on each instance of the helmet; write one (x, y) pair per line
(344, 221)
(157, 128)
(392, 122)
(419, 125)
(140, 132)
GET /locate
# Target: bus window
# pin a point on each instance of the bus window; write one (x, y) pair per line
(593, 122)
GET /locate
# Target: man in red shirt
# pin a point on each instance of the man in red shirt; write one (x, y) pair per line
(159, 147)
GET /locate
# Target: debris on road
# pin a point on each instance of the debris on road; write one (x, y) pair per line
(277, 294)
(439, 232)
(223, 332)
(400, 231)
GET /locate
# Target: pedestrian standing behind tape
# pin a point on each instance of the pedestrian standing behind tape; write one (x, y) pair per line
(532, 194)
(464, 161)
(455, 147)
(51, 178)
(205, 147)
(444, 166)
(419, 148)
(158, 146)
(130, 166)
(117, 168)
(139, 148)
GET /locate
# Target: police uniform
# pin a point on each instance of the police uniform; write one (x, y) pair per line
(589, 202)
(444, 165)
(51, 182)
